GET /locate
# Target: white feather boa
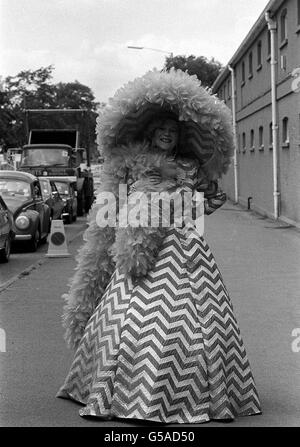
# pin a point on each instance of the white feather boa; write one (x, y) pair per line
(107, 248)
(131, 249)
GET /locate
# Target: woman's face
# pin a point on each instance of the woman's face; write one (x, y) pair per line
(166, 135)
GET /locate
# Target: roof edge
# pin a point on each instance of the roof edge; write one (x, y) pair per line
(259, 25)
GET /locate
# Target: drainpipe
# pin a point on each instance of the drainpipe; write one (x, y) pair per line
(235, 161)
(272, 26)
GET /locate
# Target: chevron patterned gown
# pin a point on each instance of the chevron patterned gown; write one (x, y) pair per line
(168, 348)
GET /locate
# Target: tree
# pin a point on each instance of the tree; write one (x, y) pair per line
(30, 89)
(206, 70)
(34, 89)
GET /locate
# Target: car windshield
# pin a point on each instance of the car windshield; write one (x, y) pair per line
(45, 157)
(63, 188)
(12, 187)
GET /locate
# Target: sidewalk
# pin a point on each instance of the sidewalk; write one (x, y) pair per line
(260, 263)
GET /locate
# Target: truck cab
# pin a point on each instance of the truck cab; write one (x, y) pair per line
(48, 159)
(56, 152)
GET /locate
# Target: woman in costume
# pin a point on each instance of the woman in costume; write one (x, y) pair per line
(147, 312)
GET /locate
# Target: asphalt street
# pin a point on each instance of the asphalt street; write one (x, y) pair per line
(21, 260)
(260, 263)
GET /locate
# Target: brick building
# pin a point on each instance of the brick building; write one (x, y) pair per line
(261, 84)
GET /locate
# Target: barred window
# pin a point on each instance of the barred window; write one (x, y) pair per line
(259, 59)
(261, 136)
(252, 139)
(285, 130)
(283, 25)
(244, 141)
(243, 72)
(250, 64)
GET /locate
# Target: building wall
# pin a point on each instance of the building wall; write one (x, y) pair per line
(289, 176)
(253, 110)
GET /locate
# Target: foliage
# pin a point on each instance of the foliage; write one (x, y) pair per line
(34, 89)
(206, 70)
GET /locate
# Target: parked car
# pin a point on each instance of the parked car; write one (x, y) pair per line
(6, 231)
(52, 197)
(22, 194)
(66, 187)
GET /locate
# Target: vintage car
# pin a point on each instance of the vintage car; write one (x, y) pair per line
(52, 197)
(66, 187)
(21, 192)
(6, 231)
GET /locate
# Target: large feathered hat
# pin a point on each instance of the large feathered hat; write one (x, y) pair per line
(205, 120)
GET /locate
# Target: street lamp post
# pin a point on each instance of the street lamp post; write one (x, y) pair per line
(148, 48)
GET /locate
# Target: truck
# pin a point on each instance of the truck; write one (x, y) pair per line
(57, 152)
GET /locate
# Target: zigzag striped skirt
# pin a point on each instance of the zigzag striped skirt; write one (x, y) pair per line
(166, 349)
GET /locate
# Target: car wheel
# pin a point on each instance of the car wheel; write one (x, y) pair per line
(34, 243)
(74, 217)
(5, 253)
(70, 217)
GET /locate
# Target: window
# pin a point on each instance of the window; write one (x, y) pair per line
(283, 25)
(259, 55)
(244, 141)
(261, 138)
(37, 191)
(252, 140)
(271, 136)
(285, 131)
(18, 188)
(46, 190)
(243, 73)
(250, 65)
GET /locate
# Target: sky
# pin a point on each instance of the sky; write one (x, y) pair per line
(86, 40)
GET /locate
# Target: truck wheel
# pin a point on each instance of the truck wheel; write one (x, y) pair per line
(81, 204)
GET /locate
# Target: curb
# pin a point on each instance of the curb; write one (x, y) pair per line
(280, 223)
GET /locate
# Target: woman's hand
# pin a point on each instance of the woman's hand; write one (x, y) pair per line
(154, 175)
